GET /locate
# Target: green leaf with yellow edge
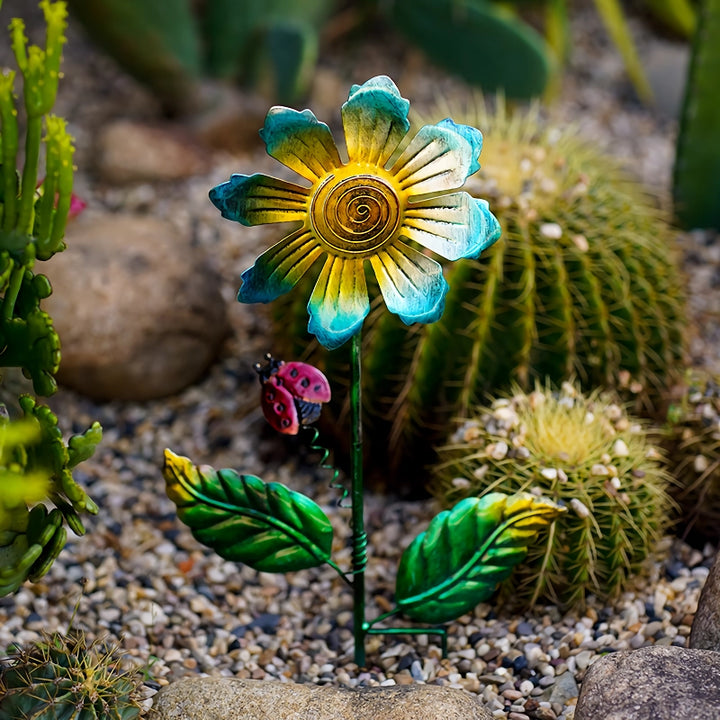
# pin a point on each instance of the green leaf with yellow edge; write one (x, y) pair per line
(264, 525)
(466, 552)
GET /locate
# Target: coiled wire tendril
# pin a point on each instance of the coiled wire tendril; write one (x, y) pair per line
(335, 483)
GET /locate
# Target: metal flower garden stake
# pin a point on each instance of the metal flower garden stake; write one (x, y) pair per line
(371, 210)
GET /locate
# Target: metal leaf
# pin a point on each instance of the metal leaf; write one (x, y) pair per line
(465, 552)
(264, 525)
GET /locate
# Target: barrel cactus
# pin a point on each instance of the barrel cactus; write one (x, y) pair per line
(583, 283)
(583, 452)
(64, 676)
(691, 440)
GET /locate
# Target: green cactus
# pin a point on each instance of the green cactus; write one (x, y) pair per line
(691, 440)
(582, 452)
(696, 183)
(32, 226)
(169, 44)
(31, 537)
(64, 676)
(156, 42)
(32, 223)
(482, 42)
(582, 283)
(274, 43)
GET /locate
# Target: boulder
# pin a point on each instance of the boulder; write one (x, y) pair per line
(129, 151)
(705, 634)
(137, 308)
(652, 683)
(221, 698)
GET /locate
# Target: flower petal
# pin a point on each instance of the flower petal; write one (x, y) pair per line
(339, 302)
(259, 199)
(453, 226)
(472, 135)
(437, 160)
(375, 120)
(412, 284)
(279, 268)
(300, 141)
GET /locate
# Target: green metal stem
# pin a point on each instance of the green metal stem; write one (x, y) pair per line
(359, 537)
(441, 631)
(340, 572)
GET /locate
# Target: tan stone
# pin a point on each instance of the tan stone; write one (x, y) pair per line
(652, 683)
(136, 152)
(230, 119)
(705, 633)
(137, 308)
(213, 698)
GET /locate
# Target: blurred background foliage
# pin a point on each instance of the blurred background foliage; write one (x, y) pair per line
(517, 46)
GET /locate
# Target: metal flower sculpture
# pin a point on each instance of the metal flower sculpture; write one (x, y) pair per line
(368, 209)
(365, 209)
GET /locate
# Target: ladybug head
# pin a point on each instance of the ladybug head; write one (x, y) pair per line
(270, 367)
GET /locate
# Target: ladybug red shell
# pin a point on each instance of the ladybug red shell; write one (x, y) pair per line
(292, 394)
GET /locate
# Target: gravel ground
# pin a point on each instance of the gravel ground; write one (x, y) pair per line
(141, 577)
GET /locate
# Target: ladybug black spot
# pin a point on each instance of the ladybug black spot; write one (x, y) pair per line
(305, 382)
(317, 388)
(285, 422)
(294, 372)
(270, 395)
(280, 407)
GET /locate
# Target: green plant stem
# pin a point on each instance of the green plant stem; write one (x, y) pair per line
(29, 175)
(8, 302)
(359, 537)
(9, 144)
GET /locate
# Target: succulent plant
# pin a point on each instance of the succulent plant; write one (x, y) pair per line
(583, 283)
(582, 452)
(62, 676)
(697, 158)
(691, 439)
(33, 216)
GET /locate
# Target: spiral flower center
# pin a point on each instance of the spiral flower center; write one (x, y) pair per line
(355, 215)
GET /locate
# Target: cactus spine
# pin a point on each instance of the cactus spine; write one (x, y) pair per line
(64, 677)
(582, 452)
(691, 440)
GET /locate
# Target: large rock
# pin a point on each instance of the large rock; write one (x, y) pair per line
(652, 683)
(130, 151)
(705, 634)
(138, 311)
(211, 698)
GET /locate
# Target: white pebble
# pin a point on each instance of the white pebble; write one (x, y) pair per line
(461, 483)
(497, 451)
(620, 448)
(549, 473)
(581, 243)
(580, 508)
(526, 687)
(552, 231)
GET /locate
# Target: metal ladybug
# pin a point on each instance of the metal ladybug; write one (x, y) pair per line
(292, 393)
